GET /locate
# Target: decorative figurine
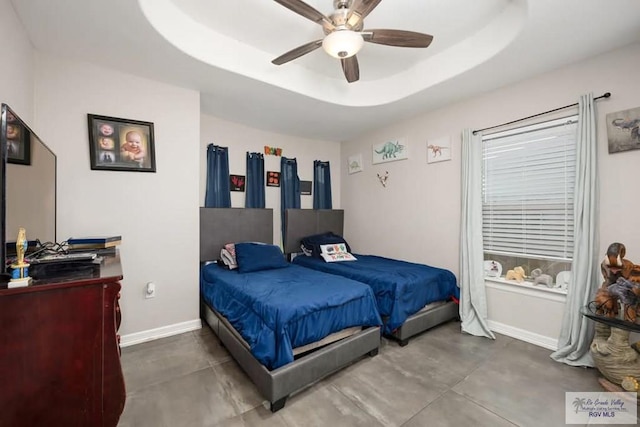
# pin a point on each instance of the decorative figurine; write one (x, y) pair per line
(516, 274)
(20, 269)
(616, 306)
(540, 278)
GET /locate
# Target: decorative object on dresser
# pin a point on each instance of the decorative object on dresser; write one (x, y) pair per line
(59, 352)
(20, 268)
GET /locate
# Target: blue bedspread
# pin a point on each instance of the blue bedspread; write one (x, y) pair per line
(278, 310)
(401, 288)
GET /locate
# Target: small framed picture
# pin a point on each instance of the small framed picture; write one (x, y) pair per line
(354, 163)
(273, 179)
(439, 149)
(390, 151)
(18, 142)
(236, 182)
(305, 188)
(121, 144)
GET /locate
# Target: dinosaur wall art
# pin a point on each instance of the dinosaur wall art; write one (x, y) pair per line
(390, 151)
(439, 150)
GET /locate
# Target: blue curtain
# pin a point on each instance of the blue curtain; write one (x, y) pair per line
(254, 196)
(218, 193)
(321, 185)
(289, 188)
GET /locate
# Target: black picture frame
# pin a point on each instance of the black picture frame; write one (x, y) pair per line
(18, 141)
(117, 144)
(305, 188)
(237, 182)
(273, 179)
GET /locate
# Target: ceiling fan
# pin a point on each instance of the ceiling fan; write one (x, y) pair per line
(344, 34)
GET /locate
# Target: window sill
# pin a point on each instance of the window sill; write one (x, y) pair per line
(526, 288)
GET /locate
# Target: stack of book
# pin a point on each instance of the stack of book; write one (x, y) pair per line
(99, 244)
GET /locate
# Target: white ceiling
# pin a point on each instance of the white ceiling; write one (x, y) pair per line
(223, 49)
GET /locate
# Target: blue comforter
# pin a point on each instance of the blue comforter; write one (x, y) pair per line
(401, 288)
(278, 310)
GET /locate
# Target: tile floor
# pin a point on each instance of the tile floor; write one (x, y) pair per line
(442, 378)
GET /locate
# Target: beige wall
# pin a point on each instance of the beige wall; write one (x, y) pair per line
(240, 139)
(16, 72)
(416, 217)
(155, 213)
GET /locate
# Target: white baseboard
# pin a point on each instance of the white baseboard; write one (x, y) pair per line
(165, 331)
(523, 335)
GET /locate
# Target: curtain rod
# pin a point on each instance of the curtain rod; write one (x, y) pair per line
(605, 95)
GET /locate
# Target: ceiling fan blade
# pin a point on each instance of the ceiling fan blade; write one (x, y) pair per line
(303, 9)
(359, 10)
(297, 52)
(400, 38)
(351, 69)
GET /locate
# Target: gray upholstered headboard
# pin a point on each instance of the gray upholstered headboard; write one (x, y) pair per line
(219, 226)
(300, 223)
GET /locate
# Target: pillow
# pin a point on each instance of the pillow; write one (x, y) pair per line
(313, 243)
(335, 253)
(305, 251)
(259, 256)
(228, 259)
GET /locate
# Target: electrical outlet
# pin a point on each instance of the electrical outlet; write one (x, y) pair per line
(150, 291)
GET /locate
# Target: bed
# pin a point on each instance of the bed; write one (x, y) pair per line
(411, 297)
(285, 327)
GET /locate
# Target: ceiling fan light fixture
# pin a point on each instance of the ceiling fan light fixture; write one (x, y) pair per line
(342, 43)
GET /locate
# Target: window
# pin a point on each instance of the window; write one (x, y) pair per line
(527, 196)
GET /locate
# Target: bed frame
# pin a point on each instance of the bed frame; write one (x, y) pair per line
(300, 223)
(219, 226)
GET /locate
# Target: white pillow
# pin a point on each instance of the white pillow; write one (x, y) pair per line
(228, 256)
(336, 252)
(306, 251)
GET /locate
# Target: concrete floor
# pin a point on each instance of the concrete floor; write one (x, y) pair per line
(442, 378)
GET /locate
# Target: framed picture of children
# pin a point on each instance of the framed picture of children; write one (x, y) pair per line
(121, 144)
(18, 142)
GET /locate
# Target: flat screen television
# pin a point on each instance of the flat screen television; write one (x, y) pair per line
(27, 187)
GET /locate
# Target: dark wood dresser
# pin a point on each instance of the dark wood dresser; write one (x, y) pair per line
(59, 349)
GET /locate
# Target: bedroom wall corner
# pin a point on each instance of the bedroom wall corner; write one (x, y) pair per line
(241, 138)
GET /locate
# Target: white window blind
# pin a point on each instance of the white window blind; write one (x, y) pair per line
(528, 187)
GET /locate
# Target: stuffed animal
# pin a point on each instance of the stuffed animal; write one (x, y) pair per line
(541, 279)
(516, 274)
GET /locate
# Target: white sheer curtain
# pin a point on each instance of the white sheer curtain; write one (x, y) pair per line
(577, 331)
(473, 298)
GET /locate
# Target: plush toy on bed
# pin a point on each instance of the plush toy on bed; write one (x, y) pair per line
(516, 274)
(541, 279)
